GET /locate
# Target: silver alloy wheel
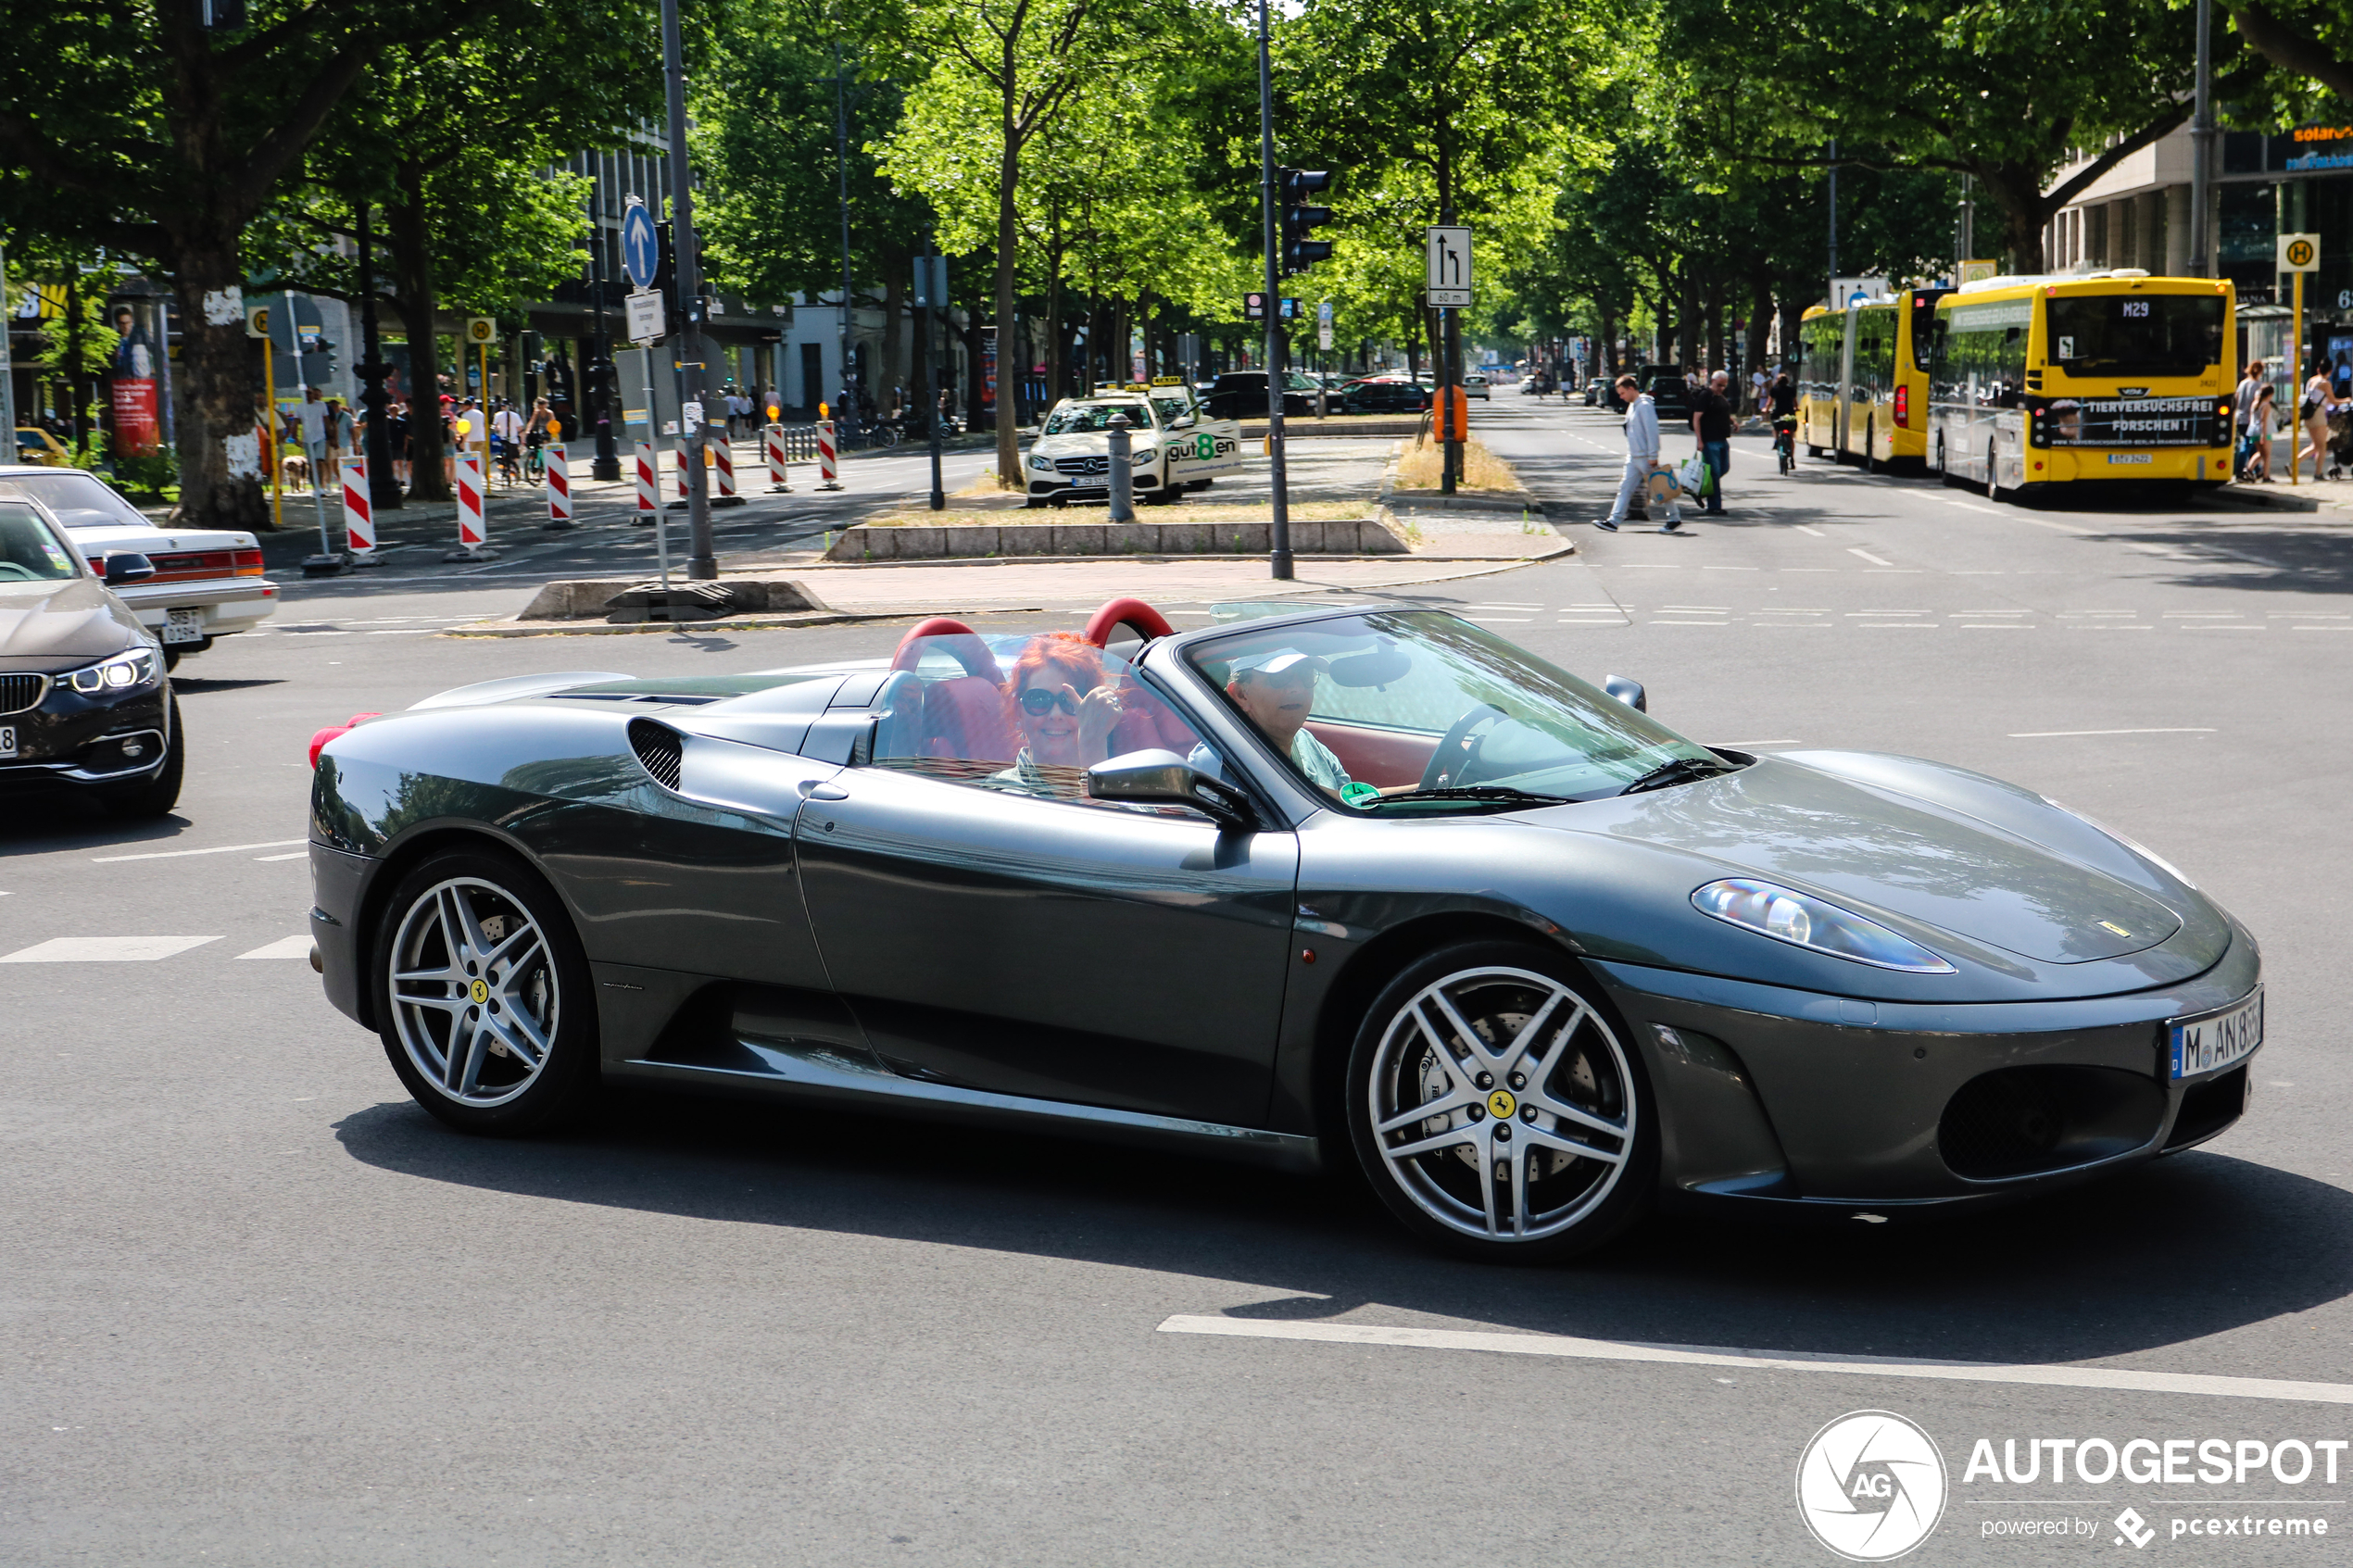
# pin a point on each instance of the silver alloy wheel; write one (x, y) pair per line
(1500, 1103)
(474, 995)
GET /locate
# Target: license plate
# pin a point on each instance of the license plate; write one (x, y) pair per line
(2130, 458)
(8, 740)
(184, 626)
(2204, 1044)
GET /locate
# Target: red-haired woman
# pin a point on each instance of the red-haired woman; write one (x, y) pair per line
(1061, 705)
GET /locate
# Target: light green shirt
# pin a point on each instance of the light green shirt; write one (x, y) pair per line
(1314, 759)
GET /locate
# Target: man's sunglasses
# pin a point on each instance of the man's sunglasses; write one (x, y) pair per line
(1037, 702)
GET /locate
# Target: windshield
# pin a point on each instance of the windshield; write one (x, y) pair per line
(29, 551)
(80, 500)
(2134, 334)
(1377, 710)
(1093, 418)
(1173, 408)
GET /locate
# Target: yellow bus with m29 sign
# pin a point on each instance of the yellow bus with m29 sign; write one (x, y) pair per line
(2116, 376)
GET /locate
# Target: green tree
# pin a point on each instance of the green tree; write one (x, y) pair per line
(130, 126)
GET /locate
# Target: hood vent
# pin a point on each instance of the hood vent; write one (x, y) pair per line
(658, 750)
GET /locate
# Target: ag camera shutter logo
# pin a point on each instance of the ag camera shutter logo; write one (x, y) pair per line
(1871, 1485)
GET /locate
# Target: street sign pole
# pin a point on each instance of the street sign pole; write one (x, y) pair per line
(2298, 253)
(1278, 562)
(1446, 283)
(702, 564)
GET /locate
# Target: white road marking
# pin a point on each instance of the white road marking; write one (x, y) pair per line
(2047, 735)
(1973, 507)
(106, 949)
(2124, 1379)
(177, 854)
(1859, 550)
(297, 855)
(2321, 628)
(1804, 529)
(285, 948)
(2062, 527)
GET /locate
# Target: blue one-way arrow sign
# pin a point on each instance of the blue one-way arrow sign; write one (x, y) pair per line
(640, 248)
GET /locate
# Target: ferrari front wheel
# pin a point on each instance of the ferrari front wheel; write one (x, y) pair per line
(486, 1014)
(1497, 1107)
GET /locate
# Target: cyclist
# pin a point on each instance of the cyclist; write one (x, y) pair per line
(505, 430)
(1780, 403)
(534, 437)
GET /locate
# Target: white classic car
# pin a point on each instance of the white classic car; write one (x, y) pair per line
(1176, 445)
(208, 582)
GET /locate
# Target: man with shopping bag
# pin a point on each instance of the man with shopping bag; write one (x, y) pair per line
(1641, 459)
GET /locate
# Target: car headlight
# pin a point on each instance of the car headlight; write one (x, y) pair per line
(1040, 463)
(1146, 453)
(124, 672)
(1804, 922)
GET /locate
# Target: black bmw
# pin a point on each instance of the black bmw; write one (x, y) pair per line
(84, 703)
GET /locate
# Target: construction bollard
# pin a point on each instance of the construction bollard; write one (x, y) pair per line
(358, 517)
(473, 532)
(828, 463)
(678, 471)
(559, 485)
(723, 472)
(773, 441)
(648, 494)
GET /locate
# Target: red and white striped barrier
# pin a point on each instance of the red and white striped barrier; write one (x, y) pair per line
(771, 441)
(358, 517)
(723, 469)
(649, 491)
(473, 531)
(559, 484)
(678, 468)
(828, 463)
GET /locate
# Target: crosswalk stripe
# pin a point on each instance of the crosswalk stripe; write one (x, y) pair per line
(106, 949)
(285, 948)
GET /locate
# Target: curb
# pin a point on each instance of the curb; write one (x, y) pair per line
(2263, 500)
(639, 628)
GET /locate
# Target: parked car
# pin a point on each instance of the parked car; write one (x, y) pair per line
(1384, 395)
(85, 704)
(1355, 884)
(207, 583)
(1242, 394)
(1475, 385)
(1666, 385)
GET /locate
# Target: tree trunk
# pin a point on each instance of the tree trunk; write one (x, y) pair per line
(1760, 318)
(219, 454)
(1009, 474)
(1687, 312)
(2017, 194)
(408, 234)
(1057, 360)
(895, 269)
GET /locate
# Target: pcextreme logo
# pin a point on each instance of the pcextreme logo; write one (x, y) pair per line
(1871, 1486)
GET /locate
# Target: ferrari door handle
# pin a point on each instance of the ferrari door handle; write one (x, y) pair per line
(825, 792)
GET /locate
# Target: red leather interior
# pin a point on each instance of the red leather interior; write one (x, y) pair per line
(1386, 757)
(1147, 621)
(966, 717)
(1150, 725)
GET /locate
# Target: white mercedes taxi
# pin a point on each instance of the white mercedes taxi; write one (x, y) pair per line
(207, 583)
(1176, 445)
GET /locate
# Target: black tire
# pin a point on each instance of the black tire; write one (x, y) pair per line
(493, 1088)
(1870, 450)
(1994, 491)
(1944, 470)
(153, 797)
(1448, 1192)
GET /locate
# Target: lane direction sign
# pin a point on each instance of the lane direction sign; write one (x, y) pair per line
(640, 246)
(1447, 257)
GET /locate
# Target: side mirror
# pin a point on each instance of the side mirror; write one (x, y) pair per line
(1630, 693)
(128, 567)
(1163, 778)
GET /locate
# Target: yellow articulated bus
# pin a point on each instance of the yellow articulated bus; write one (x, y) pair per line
(2110, 376)
(1863, 396)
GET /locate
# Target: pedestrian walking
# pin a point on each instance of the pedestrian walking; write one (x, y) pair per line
(1641, 457)
(2243, 400)
(2320, 401)
(2255, 439)
(1760, 382)
(1712, 425)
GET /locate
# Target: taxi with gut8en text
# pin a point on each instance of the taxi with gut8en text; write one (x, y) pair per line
(1174, 445)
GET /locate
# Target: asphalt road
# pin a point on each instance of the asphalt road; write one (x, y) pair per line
(258, 1308)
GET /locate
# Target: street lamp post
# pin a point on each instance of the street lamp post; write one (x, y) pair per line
(598, 371)
(701, 564)
(2202, 146)
(1279, 556)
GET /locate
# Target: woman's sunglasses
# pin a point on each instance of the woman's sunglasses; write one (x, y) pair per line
(1037, 702)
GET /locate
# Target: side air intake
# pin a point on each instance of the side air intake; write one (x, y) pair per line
(658, 750)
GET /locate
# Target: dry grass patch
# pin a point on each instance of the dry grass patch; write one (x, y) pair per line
(1482, 470)
(1188, 511)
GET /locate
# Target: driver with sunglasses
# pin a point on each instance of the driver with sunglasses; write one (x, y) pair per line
(1275, 690)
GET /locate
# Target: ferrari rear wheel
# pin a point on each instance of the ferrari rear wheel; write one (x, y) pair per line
(1496, 1107)
(488, 1014)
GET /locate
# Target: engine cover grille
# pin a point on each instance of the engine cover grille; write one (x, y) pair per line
(658, 750)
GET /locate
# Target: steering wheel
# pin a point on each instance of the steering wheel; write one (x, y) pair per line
(1445, 768)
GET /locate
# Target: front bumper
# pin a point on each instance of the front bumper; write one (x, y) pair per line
(338, 884)
(1767, 1093)
(70, 739)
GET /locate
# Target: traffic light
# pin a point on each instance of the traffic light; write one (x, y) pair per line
(1298, 252)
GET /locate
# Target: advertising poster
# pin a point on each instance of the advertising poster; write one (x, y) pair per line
(137, 424)
(2129, 421)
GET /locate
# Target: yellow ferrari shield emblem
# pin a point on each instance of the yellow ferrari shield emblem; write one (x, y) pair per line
(1500, 1105)
(479, 992)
